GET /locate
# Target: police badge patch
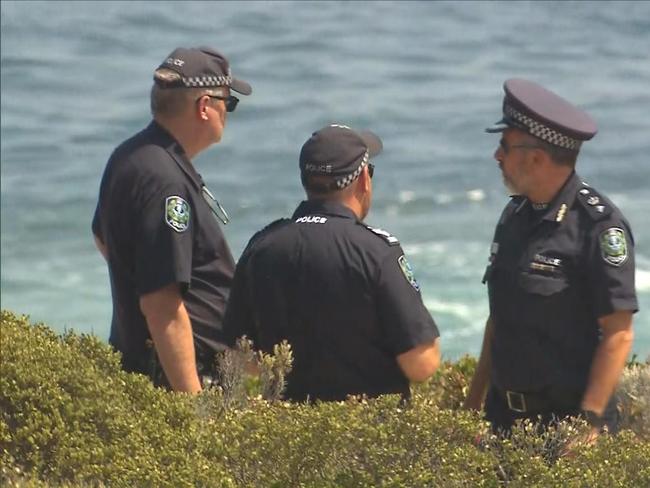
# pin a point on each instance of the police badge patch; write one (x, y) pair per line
(613, 246)
(408, 271)
(177, 213)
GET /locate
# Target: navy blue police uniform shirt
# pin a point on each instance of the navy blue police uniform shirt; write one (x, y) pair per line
(159, 230)
(340, 292)
(552, 274)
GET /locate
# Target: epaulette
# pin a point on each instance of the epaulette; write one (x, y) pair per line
(390, 239)
(259, 234)
(594, 203)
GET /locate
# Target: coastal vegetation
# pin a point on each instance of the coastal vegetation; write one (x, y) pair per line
(70, 417)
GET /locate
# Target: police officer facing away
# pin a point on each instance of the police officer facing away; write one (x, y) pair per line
(560, 277)
(170, 266)
(341, 292)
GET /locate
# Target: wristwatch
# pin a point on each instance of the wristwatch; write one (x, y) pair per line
(593, 419)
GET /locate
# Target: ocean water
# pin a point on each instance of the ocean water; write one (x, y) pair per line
(426, 76)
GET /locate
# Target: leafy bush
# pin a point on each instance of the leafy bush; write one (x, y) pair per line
(70, 417)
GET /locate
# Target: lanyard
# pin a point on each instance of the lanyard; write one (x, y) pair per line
(214, 205)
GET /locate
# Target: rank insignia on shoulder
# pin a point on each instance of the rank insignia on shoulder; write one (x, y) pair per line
(613, 246)
(407, 271)
(177, 213)
(593, 203)
(387, 236)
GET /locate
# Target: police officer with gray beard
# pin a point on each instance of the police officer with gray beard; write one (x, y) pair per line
(560, 276)
(341, 292)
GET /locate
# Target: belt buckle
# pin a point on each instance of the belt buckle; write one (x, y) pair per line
(516, 401)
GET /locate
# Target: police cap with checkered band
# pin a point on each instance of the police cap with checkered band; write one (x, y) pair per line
(532, 108)
(339, 152)
(202, 67)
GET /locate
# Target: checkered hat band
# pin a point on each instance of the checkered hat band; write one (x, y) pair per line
(540, 130)
(207, 81)
(347, 179)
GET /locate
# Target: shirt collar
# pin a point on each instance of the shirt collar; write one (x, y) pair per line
(323, 207)
(562, 202)
(176, 151)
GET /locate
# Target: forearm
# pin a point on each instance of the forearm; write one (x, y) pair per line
(607, 366)
(481, 379)
(421, 362)
(171, 331)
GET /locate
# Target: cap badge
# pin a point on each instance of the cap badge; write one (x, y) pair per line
(584, 191)
(177, 213)
(405, 266)
(613, 246)
(560, 213)
(175, 61)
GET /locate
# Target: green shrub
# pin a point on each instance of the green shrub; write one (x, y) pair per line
(70, 417)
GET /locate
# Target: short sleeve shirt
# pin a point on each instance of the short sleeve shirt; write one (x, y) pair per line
(553, 273)
(341, 293)
(159, 229)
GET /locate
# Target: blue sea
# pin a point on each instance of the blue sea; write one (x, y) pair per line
(426, 76)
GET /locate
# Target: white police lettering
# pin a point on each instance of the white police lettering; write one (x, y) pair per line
(320, 168)
(175, 62)
(311, 219)
(546, 260)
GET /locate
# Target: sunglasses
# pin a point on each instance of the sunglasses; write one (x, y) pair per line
(231, 101)
(506, 148)
(371, 169)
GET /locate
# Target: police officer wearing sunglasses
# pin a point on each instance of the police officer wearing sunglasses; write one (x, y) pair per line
(341, 292)
(560, 276)
(170, 266)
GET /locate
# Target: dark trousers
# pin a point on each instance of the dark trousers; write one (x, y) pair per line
(502, 417)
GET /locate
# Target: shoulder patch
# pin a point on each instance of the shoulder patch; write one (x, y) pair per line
(613, 246)
(407, 271)
(177, 213)
(390, 239)
(593, 203)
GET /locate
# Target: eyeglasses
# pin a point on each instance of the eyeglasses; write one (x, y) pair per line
(506, 148)
(214, 205)
(231, 101)
(371, 169)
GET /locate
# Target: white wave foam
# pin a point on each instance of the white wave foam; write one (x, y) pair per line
(476, 195)
(406, 196)
(642, 279)
(457, 309)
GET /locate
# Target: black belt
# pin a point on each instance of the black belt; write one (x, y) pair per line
(543, 401)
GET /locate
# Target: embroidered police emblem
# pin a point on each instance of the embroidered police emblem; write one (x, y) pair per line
(177, 213)
(408, 271)
(613, 246)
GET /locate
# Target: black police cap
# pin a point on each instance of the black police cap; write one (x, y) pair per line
(202, 67)
(340, 152)
(541, 113)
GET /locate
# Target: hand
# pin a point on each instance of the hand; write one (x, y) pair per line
(588, 439)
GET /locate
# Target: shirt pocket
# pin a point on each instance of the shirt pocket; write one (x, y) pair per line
(542, 285)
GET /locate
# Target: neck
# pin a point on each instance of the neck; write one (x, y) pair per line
(547, 186)
(347, 201)
(184, 133)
